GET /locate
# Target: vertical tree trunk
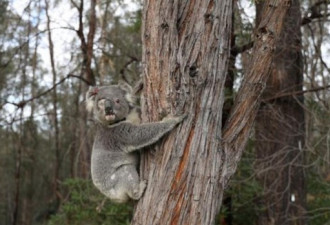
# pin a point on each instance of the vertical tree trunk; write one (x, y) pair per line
(103, 21)
(185, 56)
(55, 119)
(83, 144)
(18, 208)
(18, 171)
(280, 129)
(33, 154)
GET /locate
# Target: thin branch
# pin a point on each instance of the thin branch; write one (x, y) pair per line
(305, 20)
(80, 32)
(21, 104)
(296, 93)
(74, 4)
(314, 13)
(90, 42)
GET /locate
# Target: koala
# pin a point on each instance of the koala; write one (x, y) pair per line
(119, 135)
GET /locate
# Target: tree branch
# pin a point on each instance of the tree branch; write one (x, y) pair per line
(21, 104)
(314, 12)
(295, 93)
(246, 105)
(305, 20)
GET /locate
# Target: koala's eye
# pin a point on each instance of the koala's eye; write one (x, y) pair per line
(117, 100)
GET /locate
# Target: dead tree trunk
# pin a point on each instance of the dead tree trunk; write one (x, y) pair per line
(185, 56)
(280, 129)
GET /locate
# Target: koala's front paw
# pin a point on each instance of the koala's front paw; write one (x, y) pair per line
(182, 117)
(176, 119)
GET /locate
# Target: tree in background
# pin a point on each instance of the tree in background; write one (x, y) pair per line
(283, 172)
(280, 129)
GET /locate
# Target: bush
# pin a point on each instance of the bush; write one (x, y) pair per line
(85, 205)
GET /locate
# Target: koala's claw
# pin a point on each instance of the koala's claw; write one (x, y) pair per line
(182, 117)
(177, 119)
(143, 184)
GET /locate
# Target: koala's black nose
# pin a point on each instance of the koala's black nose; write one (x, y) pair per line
(108, 107)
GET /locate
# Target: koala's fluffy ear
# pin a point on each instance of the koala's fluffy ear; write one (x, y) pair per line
(90, 97)
(128, 90)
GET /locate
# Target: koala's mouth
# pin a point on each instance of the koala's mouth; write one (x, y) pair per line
(110, 116)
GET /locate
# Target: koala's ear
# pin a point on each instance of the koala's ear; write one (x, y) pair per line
(128, 92)
(125, 86)
(90, 97)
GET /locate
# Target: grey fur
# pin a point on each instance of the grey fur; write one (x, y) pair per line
(118, 136)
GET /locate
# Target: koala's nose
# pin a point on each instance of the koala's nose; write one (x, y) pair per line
(108, 107)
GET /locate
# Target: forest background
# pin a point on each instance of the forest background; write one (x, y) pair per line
(51, 51)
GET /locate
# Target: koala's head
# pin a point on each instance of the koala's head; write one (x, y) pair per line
(109, 104)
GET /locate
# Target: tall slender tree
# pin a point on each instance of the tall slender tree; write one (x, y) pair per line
(54, 113)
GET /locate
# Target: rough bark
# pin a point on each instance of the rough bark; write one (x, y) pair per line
(280, 130)
(186, 53)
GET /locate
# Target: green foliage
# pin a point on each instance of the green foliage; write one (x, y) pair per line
(123, 48)
(84, 206)
(318, 200)
(318, 175)
(135, 23)
(244, 191)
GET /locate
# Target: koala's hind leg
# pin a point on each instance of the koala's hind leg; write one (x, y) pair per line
(134, 186)
(137, 190)
(129, 184)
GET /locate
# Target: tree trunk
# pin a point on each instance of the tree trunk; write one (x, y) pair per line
(83, 144)
(186, 54)
(57, 178)
(280, 129)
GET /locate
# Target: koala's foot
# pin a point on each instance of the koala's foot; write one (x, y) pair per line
(138, 190)
(118, 195)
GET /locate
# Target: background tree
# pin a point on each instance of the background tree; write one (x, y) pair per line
(245, 179)
(280, 130)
